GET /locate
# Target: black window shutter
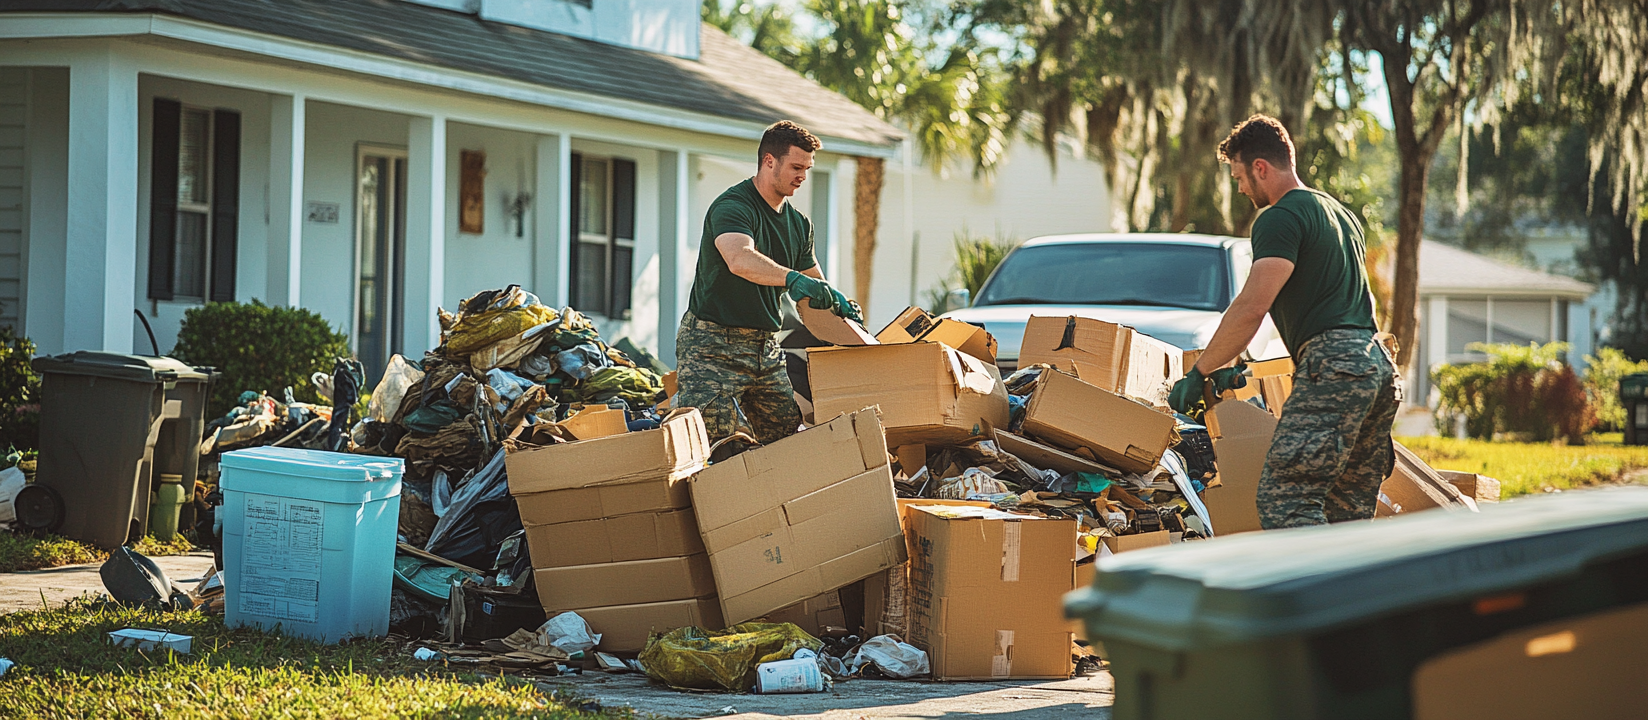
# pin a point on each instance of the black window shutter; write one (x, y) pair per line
(623, 227)
(576, 179)
(163, 196)
(225, 203)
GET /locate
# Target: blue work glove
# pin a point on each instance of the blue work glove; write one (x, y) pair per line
(1186, 395)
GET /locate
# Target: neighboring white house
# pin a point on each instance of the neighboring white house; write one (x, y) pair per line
(1466, 298)
(373, 159)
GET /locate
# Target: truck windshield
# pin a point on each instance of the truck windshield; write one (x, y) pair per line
(1145, 273)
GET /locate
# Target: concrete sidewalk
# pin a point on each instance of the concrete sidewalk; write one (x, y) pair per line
(53, 586)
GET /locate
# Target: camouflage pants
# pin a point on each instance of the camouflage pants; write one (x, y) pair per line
(1332, 447)
(717, 365)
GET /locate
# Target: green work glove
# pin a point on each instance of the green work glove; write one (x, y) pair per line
(1229, 378)
(1186, 395)
(820, 296)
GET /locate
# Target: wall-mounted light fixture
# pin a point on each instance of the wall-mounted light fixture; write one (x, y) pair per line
(516, 204)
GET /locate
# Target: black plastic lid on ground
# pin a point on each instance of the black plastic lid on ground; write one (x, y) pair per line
(139, 368)
(1265, 584)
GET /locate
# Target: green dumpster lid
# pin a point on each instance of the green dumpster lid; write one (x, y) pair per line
(1256, 585)
(317, 464)
(140, 368)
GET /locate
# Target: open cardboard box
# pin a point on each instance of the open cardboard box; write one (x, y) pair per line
(916, 325)
(928, 392)
(1110, 356)
(1074, 414)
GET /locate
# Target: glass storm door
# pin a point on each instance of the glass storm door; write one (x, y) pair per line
(380, 258)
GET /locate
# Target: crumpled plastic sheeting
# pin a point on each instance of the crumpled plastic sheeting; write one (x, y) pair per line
(972, 482)
(567, 632)
(893, 657)
(391, 390)
(474, 332)
(481, 515)
(692, 658)
(583, 360)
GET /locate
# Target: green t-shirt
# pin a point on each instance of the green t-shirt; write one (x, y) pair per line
(1329, 285)
(784, 235)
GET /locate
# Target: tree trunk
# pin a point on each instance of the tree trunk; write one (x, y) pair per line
(1410, 226)
(1181, 202)
(866, 216)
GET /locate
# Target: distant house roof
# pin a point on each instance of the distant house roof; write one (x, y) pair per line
(728, 80)
(1447, 270)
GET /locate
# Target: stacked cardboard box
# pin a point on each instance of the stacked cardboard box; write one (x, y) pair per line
(798, 518)
(1110, 356)
(1114, 430)
(612, 533)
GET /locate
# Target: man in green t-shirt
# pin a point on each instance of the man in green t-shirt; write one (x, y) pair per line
(1332, 447)
(755, 247)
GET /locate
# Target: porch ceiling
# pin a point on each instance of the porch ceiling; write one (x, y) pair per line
(728, 80)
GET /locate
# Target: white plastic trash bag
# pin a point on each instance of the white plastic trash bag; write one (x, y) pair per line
(893, 657)
(11, 483)
(569, 632)
(387, 396)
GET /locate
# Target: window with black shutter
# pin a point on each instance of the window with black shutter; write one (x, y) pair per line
(194, 201)
(603, 225)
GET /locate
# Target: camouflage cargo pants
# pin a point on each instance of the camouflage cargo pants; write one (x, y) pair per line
(1332, 447)
(717, 364)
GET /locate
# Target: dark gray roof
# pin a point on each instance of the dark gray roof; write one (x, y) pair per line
(728, 80)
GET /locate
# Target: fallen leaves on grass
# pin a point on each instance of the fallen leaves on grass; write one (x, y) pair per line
(27, 552)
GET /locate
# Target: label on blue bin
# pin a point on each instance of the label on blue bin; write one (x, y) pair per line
(281, 558)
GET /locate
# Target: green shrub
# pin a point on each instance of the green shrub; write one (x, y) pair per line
(19, 393)
(258, 347)
(976, 257)
(1525, 391)
(1602, 376)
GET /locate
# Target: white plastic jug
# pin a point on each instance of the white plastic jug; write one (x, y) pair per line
(799, 674)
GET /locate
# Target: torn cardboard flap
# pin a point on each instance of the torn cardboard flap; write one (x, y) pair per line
(1413, 486)
(831, 328)
(677, 449)
(916, 325)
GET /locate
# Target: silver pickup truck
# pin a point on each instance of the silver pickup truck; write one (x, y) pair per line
(1170, 286)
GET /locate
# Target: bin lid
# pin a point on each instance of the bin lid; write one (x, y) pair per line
(140, 368)
(1633, 386)
(1263, 584)
(318, 464)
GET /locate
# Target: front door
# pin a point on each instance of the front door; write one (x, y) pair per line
(380, 256)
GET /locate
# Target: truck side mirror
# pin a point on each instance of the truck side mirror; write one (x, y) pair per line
(958, 298)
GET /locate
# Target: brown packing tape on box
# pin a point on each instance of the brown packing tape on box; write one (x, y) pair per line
(928, 393)
(677, 449)
(967, 561)
(624, 583)
(636, 536)
(800, 517)
(625, 628)
(1120, 432)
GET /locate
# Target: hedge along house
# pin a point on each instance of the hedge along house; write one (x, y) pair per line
(373, 159)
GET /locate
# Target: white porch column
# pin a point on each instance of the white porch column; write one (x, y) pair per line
(1435, 348)
(100, 269)
(287, 121)
(425, 232)
(551, 217)
(676, 262)
(822, 213)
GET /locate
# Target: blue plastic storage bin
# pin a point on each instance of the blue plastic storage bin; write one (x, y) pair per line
(309, 541)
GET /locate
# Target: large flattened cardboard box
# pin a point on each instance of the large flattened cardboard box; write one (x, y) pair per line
(1114, 357)
(624, 628)
(800, 517)
(625, 493)
(1120, 432)
(928, 392)
(813, 614)
(624, 583)
(987, 592)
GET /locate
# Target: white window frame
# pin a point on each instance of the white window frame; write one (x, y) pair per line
(199, 208)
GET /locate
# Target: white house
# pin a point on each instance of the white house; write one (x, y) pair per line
(1466, 298)
(373, 159)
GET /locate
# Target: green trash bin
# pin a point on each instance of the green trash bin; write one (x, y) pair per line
(1633, 395)
(109, 425)
(1534, 608)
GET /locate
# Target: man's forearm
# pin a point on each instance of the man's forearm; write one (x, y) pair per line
(1236, 330)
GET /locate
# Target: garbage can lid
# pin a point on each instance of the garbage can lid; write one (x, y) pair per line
(317, 464)
(1255, 585)
(140, 368)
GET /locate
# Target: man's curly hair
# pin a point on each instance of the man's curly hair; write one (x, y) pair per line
(1260, 136)
(783, 135)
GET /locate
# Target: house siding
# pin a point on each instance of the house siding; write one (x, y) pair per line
(14, 112)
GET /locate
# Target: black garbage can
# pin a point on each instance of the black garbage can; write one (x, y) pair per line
(1633, 394)
(1534, 608)
(109, 425)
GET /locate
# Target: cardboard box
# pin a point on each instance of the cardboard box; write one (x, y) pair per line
(928, 392)
(624, 583)
(596, 422)
(1241, 451)
(603, 501)
(1120, 432)
(813, 614)
(1272, 380)
(636, 536)
(624, 628)
(1478, 487)
(1139, 541)
(831, 328)
(1046, 457)
(676, 450)
(916, 325)
(1114, 357)
(987, 591)
(800, 517)
(1413, 486)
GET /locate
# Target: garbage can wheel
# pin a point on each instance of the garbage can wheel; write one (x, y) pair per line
(39, 508)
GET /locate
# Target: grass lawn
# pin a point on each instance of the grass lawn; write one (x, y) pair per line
(1524, 468)
(19, 551)
(66, 668)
